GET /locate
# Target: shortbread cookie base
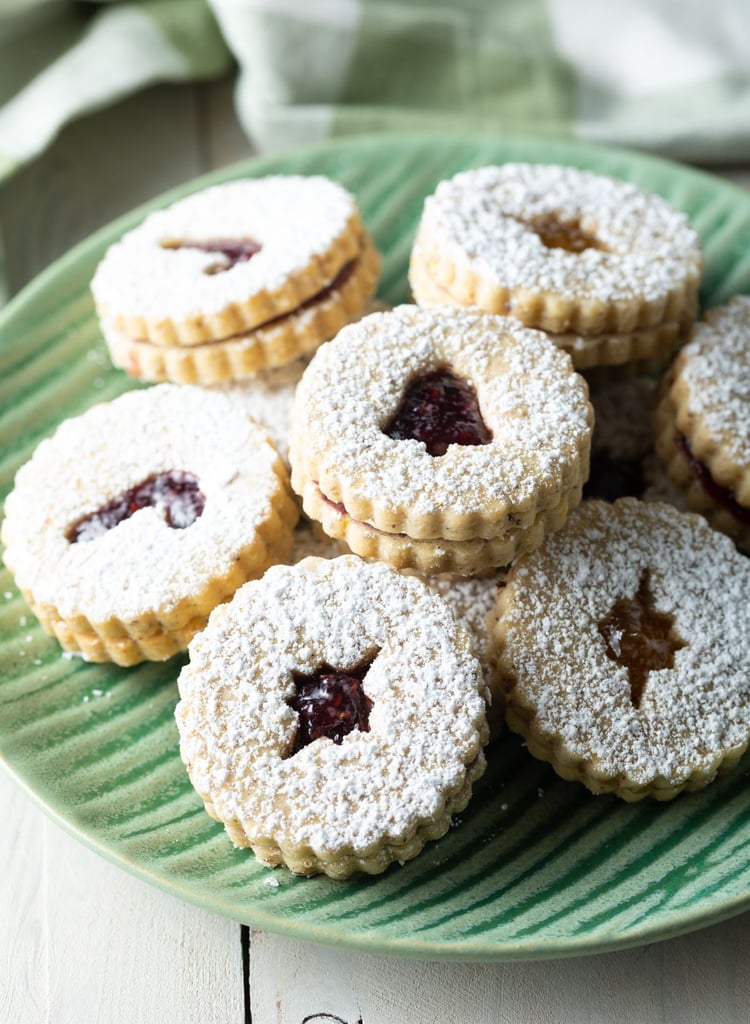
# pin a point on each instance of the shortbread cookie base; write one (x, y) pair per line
(647, 345)
(570, 768)
(680, 473)
(531, 400)
(703, 404)
(308, 227)
(139, 589)
(465, 558)
(470, 598)
(270, 345)
(553, 313)
(573, 705)
(709, 386)
(382, 792)
(476, 239)
(304, 861)
(160, 636)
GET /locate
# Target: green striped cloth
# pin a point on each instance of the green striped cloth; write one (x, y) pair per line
(649, 73)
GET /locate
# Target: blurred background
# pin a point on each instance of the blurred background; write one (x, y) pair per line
(105, 103)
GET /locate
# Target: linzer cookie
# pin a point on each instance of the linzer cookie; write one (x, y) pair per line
(332, 716)
(623, 648)
(134, 520)
(470, 598)
(440, 439)
(609, 271)
(234, 279)
(702, 424)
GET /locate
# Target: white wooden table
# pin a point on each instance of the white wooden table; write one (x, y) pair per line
(82, 942)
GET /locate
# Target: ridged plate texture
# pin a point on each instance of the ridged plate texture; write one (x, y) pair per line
(537, 867)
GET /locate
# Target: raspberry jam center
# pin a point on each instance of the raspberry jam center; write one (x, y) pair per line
(439, 409)
(233, 251)
(723, 496)
(330, 702)
(639, 637)
(175, 495)
(559, 234)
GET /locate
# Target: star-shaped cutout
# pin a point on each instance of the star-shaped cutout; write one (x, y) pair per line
(640, 637)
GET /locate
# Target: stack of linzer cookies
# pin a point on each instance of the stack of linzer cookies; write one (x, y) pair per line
(334, 711)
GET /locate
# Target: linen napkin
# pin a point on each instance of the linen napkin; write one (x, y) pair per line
(648, 73)
(655, 74)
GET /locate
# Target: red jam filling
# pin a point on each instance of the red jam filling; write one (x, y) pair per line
(611, 478)
(639, 637)
(175, 495)
(234, 251)
(330, 702)
(334, 504)
(559, 234)
(338, 282)
(723, 496)
(439, 409)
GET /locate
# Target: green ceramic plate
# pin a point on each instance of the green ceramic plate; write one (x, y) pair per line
(537, 867)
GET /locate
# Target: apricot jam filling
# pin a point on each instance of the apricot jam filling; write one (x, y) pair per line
(559, 234)
(639, 637)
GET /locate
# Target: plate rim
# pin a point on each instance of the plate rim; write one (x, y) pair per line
(364, 140)
(473, 950)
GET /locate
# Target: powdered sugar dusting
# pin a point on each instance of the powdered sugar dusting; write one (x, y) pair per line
(269, 398)
(426, 723)
(688, 714)
(530, 399)
(471, 599)
(715, 365)
(293, 218)
(141, 564)
(478, 217)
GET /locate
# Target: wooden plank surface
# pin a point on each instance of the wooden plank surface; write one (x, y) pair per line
(82, 941)
(690, 980)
